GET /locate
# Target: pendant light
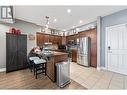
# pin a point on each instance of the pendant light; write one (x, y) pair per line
(45, 28)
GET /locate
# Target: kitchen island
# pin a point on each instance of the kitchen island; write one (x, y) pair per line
(52, 60)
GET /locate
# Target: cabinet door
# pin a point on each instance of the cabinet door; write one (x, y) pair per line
(63, 40)
(22, 51)
(59, 40)
(46, 38)
(74, 55)
(51, 39)
(42, 37)
(39, 39)
(93, 36)
(11, 52)
(51, 69)
(55, 39)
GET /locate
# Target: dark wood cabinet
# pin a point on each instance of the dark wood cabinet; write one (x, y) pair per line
(59, 40)
(51, 38)
(55, 41)
(22, 51)
(74, 55)
(39, 39)
(72, 37)
(16, 52)
(42, 38)
(50, 68)
(63, 40)
(11, 52)
(45, 38)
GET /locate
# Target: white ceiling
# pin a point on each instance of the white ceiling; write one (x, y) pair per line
(36, 14)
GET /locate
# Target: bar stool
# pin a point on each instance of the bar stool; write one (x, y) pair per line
(39, 67)
(31, 63)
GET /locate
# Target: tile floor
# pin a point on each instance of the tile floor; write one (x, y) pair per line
(91, 78)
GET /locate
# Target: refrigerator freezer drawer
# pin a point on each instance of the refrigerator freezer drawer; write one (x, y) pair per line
(83, 60)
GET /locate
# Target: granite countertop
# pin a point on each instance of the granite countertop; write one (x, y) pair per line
(52, 53)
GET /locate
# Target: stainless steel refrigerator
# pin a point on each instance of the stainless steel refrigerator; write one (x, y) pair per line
(83, 55)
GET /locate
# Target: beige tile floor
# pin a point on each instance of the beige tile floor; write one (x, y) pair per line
(92, 78)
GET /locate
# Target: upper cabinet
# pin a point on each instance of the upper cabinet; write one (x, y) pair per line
(72, 37)
(45, 38)
(39, 38)
(51, 38)
(42, 38)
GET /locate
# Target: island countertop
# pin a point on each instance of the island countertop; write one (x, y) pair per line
(52, 53)
(55, 53)
(54, 58)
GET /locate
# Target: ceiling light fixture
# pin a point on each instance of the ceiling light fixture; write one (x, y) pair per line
(77, 29)
(64, 29)
(55, 20)
(69, 10)
(46, 25)
(47, 22)
(80, 21)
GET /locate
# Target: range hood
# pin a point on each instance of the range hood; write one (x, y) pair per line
(6, 14)
(47, 43)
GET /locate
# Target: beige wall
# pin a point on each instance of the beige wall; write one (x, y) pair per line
(25, 27)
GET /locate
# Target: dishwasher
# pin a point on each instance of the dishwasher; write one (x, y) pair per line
(63, 73)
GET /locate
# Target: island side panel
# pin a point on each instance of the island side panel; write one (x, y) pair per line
(51, 69)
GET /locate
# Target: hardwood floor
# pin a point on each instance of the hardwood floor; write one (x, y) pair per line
(24, 79)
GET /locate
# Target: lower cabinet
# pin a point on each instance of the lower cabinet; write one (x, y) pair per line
(50, 68)
(74, 55)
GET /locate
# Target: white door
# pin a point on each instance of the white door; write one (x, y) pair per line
(116, 48)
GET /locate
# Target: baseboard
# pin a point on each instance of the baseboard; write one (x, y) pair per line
(103, 68)
(98, 68)
(2, 69)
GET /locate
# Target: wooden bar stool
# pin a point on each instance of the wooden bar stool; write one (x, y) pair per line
(31, 63)
(39, 67)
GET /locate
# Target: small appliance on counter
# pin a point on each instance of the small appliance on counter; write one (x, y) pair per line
(62, 48)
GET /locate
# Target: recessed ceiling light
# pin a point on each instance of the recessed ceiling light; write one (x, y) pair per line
(73, 26)
(80, 21)
(77, 29)
(64, 29)
(69, 10)
(55, 20)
